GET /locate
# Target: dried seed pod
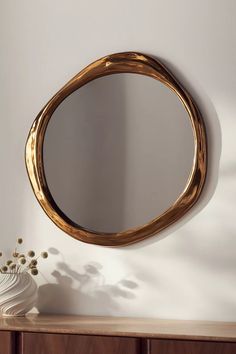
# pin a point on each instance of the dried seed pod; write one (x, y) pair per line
(4, 269)
(19, 240)
(22, 260)
(31, 253)
(44, 255)
(0, 254)
(12, 266)
(9, 262)
(34, 271)
(15, 254)
(34, 262)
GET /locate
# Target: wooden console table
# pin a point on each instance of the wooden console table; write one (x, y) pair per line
(54, 334)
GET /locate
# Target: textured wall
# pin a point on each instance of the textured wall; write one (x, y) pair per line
(188, 272)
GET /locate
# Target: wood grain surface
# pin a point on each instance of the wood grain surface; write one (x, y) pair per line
(7, 343)
(190, 347)
(38, 343)
(125, 327)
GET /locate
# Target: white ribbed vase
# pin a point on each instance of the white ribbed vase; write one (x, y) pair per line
(18, 294)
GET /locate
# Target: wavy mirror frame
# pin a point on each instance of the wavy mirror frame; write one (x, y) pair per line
(128, 62)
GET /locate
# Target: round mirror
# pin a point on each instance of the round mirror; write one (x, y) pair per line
(119, 153)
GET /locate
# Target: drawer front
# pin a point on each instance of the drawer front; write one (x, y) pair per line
(190, 347)
(38, 343)
(7, 343)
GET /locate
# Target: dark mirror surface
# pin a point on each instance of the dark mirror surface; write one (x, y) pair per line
(118, 152)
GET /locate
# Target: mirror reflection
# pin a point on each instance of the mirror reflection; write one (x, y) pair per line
(118, 152)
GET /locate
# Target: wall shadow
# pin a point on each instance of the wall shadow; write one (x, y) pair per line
(87, 291)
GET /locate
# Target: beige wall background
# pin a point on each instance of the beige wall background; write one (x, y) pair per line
(188, 272)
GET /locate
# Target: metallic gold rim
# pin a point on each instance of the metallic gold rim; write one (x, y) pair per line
(129, 62)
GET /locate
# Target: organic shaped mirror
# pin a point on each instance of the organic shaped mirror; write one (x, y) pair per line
(113, 159)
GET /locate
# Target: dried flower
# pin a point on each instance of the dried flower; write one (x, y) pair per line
(33, 263)
(22, 260)
(34, 271)
(44, 255)
(31, 253)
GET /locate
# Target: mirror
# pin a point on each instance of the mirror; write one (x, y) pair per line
(118, 152)
(116, 156)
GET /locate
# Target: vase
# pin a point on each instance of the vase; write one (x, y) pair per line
(18, 294)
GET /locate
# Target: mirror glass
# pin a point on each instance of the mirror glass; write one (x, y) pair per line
(118, 152)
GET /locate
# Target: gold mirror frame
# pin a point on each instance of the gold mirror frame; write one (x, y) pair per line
(129, 62)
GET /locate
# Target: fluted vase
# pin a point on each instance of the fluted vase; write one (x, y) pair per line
(18, 294)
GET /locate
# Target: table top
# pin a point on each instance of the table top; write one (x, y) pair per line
(121, 326)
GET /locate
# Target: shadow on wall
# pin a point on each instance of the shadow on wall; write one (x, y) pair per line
(83, 290)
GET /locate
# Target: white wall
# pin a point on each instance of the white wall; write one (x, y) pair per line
(190, 273)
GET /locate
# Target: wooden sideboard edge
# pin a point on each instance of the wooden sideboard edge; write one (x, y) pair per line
(122, 327)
